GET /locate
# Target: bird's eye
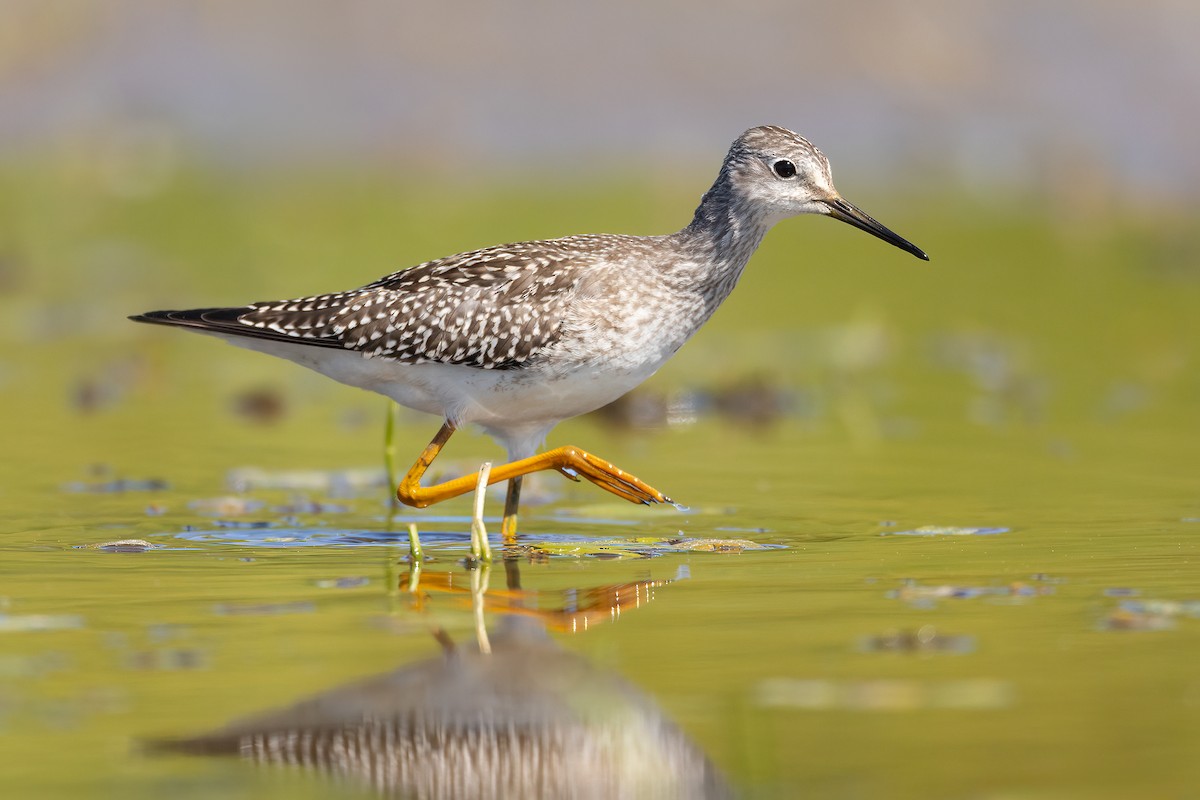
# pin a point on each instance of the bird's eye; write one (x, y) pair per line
(784, 169)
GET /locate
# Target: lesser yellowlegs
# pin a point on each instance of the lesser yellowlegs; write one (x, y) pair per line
(518, 337)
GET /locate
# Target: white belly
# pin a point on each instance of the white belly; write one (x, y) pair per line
(515, 406)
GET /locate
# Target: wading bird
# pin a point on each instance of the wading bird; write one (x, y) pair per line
(518, 337)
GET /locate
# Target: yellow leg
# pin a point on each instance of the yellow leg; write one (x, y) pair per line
(570, 461)
(508, 527)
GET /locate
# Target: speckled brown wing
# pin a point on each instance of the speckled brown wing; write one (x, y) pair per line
(494, 309)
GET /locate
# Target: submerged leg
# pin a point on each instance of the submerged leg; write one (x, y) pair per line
(508, 527)
(570, 461)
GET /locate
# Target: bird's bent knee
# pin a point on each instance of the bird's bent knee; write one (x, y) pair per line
(409, 495)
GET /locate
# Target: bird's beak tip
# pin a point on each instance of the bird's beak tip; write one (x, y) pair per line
(840, 209)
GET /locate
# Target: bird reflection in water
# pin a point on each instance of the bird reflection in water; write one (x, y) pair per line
(511, 715)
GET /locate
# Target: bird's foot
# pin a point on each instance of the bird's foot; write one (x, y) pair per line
(577, 464)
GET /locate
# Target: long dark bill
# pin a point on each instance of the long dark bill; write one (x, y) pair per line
(849, 213)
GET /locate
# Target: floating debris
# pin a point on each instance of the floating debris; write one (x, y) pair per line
(1125, 620)
(714, 545)
(332, 483)
(1166, 608)
(1121, 591)
(243, 524)
(981, 694)
(914, 593)
(313, 537)
(352, 582)
(1124, 398)
(36, 665)
(124, 546)
(753, 400)
(167, 660)
(107, 386)
(25, 623)
(261, 406)
(263, 609)
(1008, 388)
(228, 506)
(944, 530)
(302, 505)
(639, 409)
(116, 486)
(166, 632)
(925, 639)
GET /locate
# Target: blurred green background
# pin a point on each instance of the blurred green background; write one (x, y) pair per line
(1039, 374)
(186, 154)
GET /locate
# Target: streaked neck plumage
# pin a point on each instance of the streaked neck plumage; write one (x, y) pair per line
(725, 231)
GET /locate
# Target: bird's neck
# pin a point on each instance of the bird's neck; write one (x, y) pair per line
(723, 234)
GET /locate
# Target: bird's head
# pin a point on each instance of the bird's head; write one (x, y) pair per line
(783, 175)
